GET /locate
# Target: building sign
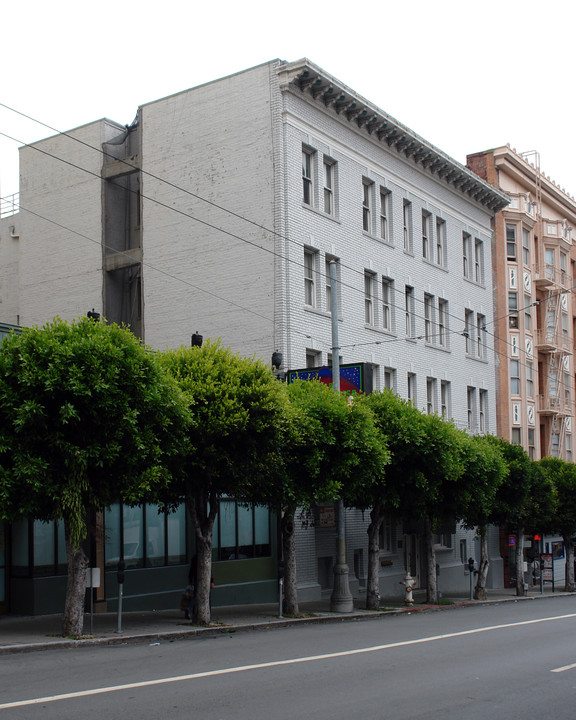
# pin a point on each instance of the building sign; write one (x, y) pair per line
(354, 378)
(326, 515)
(547, 568)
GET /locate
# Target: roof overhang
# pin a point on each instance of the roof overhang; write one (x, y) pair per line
(311, 81)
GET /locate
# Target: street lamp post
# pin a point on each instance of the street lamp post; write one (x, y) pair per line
(341, 599)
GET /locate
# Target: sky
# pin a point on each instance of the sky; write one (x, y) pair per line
(465, 76)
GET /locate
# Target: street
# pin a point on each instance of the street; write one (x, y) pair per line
(511, 660)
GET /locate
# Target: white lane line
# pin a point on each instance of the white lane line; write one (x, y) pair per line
(275, 663)
(565, 667)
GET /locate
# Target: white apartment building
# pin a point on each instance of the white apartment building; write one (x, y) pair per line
(219, 210)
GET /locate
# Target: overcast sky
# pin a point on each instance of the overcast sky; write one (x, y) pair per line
(465, 76)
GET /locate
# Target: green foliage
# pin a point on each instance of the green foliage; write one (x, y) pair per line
(331, 447)
(236, 417)
(485, 472)
(563, 475)
(87, 419)
(512, 496)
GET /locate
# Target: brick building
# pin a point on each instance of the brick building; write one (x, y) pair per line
(218, 211)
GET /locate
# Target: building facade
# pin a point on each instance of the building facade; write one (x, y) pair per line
(534, 271)
(220, 209)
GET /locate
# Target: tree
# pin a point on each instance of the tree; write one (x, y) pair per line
(331, 448)
(485, 471)
(563, 476)
(87, 419)
(401, 424)
(237, 411)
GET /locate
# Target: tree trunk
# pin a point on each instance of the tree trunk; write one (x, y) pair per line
(73, 621)
(432, 584)
(373, 580)
(203, 512)
(569, 575)
(520, 592)
(289, 554)
(484, 565)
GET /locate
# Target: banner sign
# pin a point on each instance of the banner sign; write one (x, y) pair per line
(354, 378)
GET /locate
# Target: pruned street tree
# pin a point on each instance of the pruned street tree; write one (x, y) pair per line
(87, 419)
(563, 476)
(236, 414)
(484, 473)
(401, 424)
(331, 448)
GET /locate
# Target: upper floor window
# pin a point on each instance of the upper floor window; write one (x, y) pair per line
(310, 257)
(467, 255)
(328, 187)
(442, 323)
(468, 331)
(308, 176)
(483, 410)
(515, 377)
(390, 378)
(511, 242)
(444, 398)
(407, 225)
(369, 282)
(430, 395)
(409, 309)
(525, 246)
(367, 202)
(428, 318)
(478, 261)
(385, 214)
(481, 336)
(387, 304)
(426, 235)
(411, 387)
(440, 242)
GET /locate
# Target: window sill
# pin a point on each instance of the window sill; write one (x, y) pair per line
(317, 311)
(435, 265)
(380, 331)
(477, 359)
(377, 239)
(433, 346)
(321, 213)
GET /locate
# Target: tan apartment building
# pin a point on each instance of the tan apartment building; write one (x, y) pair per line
(534, 310)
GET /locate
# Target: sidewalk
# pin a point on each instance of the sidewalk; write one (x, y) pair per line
(26, 634)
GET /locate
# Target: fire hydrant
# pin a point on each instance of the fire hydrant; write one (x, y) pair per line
(408, 583)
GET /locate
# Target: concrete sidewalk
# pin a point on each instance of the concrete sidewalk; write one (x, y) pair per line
(26, 634)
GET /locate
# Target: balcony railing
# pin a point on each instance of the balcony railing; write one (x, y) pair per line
(9, 205)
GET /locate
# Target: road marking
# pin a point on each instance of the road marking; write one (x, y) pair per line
(278, 663)
(565, 667)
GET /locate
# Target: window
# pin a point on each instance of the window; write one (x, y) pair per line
(390, 379)
(387, 304)
(310, 257)
(515, 377)
(241, 532)
(529, 379)
(409, 310)
(563, 268)
(367, 190)
(313, 358)
(471, 406)
(385, 214)
(469, 331)
(511, 242)
(555, 444)
(442, 338)
(525, 246)
(483, 410)
(478, 261)
(467, 255)
(150, 538)
(445, 398)
(407, 225)
(328, 187)
(429, 318)
(430, 395)
(411, 387)
(369, 281)
(440, 242)
(531, 444)
(307, 176)
(426, 235)
(549, 263)
(481, 336)
(569, 448)
(513, 301)
(516, 436)
(527, 313)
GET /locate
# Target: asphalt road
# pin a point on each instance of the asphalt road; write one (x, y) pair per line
(509, 661)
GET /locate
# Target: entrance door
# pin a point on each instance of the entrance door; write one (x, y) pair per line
(412, 557)
(3, 572)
